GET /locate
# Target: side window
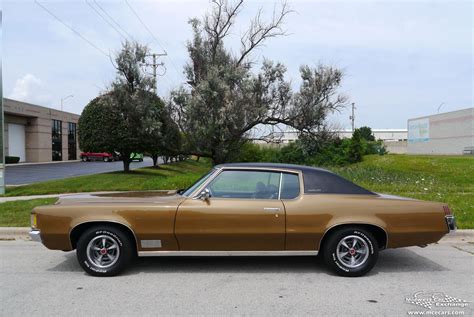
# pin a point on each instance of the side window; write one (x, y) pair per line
(245, 184)
(290, 186)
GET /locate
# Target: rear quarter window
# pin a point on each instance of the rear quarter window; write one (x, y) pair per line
(321, 182)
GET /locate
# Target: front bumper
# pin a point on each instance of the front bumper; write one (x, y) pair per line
(35, 235)
(451, 223)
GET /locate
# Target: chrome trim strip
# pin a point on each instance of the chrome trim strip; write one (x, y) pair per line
(35, 235)
(228, 253)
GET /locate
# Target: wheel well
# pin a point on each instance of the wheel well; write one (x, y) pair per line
(80, 229)
(380, 234)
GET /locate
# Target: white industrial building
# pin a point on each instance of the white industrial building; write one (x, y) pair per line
(386, 135)
(450, 133)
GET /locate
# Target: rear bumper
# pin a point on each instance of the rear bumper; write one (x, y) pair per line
(451, 223)
(35, 235)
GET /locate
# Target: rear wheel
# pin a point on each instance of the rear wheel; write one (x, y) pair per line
(84, 158)
(351, 251)
(106, 159)
(104, 251)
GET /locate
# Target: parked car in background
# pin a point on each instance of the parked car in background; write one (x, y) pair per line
(242, 209)
(136, 157)
(90, 156)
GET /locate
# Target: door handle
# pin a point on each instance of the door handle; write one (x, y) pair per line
(271, 209)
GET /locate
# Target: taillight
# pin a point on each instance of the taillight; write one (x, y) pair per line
(447, 210)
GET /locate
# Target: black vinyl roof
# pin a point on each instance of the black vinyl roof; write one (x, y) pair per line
(316, 180)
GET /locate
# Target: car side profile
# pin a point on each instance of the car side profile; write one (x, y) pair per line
(242, 209)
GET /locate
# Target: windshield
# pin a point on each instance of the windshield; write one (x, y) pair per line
(191, 189)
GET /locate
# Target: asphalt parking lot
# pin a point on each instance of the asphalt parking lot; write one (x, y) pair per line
(37, 281)
(33, 173)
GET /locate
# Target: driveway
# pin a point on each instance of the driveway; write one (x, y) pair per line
(33, 173)
(37, 281)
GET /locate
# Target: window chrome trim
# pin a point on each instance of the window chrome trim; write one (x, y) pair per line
(279, 186)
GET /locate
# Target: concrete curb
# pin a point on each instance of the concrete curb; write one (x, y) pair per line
(14, 233)
(21, 233)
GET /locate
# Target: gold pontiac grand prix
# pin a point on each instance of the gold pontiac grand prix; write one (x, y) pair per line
(242, 209)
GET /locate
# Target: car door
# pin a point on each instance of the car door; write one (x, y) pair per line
(243, 213)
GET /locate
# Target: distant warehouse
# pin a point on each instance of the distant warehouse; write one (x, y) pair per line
(444, 133)
(39, 134)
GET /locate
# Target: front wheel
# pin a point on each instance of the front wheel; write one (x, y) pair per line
(351, 251)
(84, 158)
(106, 159)
(104, 251)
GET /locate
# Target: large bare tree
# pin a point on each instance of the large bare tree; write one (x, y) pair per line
(225, 99)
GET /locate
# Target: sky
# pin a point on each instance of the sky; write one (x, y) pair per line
(401, 59)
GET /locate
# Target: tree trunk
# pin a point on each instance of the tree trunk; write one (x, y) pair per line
(126, 164)
(154, 157)
(197, 160)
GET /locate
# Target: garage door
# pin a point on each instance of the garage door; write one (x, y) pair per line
(16, 141)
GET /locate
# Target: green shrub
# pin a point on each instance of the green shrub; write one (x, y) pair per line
(12, 159)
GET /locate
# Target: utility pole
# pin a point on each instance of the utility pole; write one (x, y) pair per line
(353, 117)
(155, 65)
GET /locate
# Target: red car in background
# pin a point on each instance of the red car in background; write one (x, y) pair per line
(88, 156)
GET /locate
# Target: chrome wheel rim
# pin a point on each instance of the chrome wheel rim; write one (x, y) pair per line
(103, 251)
(352, 251)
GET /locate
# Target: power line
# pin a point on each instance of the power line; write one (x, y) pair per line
(103, 18)
(145, 26)
(153, 36)
(70, 28)
(112, 19)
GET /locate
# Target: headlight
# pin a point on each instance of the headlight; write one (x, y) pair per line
(33, 221)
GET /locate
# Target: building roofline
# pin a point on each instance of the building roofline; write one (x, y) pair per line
(440, 114)
(38, 106)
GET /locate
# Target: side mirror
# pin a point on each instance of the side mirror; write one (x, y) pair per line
(204, 195)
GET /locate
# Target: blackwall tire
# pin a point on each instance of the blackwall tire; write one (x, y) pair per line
(104, 251)
(84, 159)
(351, 251)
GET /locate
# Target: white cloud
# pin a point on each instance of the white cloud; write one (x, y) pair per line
(30, 89)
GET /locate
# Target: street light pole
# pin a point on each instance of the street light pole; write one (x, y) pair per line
(62, 100)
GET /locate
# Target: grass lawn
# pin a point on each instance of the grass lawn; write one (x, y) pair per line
(170, 176)
(17, 213)
(446, 179)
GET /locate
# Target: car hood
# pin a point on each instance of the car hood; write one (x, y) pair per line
(167, 197)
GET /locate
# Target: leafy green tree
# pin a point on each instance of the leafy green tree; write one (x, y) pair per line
(126, 116)
(226, 99)
(366, 133)
(169, 142)
(356, 149)
(100, 126)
